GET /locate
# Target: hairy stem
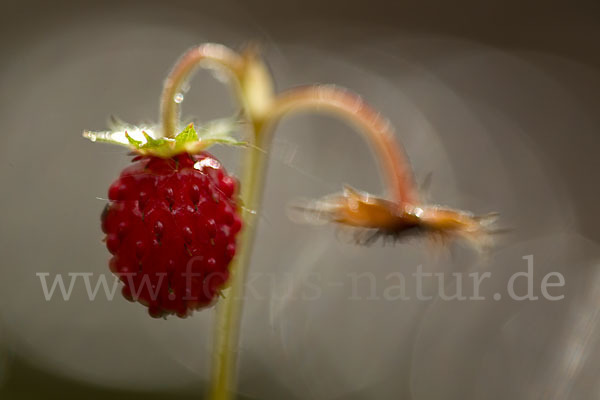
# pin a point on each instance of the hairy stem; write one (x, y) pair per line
(377, 130)
(256, 97)
(229, 311)
(215, 56)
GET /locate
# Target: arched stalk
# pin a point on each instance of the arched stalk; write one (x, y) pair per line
(253, 86)
(376, 129)
(214, 56)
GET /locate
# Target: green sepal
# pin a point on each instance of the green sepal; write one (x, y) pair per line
(132, 141)
(139, 140)
(187, 135)
(214, 132)
(151, 142)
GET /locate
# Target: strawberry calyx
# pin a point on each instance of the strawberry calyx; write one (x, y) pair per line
(143, 140)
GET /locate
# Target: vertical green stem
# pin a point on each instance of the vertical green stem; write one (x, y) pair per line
(229, 310)
(256, 95)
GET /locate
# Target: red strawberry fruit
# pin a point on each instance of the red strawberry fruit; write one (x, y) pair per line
(171, 226)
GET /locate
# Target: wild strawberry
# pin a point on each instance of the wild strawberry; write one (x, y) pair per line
(171, 226)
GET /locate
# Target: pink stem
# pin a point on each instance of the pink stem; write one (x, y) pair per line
(216, 56)
(377, 130)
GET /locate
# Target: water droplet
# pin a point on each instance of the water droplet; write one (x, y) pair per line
(178, 98)
(90, 135)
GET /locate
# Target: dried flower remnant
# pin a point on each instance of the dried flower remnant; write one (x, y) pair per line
(374, 217)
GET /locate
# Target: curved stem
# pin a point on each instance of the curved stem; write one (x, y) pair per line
(253, 87)
(216, 55)
(377, 130)
(245, 71)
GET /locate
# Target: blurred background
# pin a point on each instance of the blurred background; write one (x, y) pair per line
(497, 101)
